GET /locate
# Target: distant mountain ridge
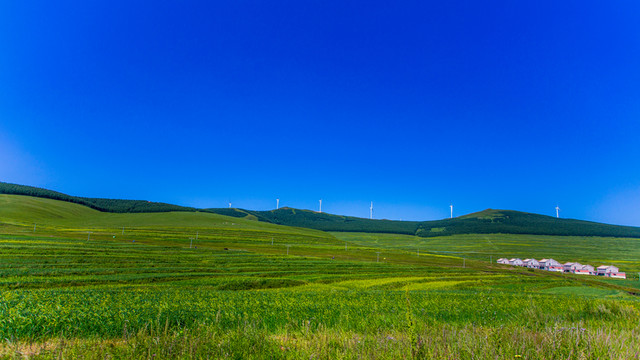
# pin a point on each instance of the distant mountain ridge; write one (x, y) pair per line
(489, 221)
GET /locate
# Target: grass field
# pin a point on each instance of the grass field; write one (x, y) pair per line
(622, 252)
(77, 287)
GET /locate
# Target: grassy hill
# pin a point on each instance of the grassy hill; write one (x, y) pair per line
(515, 222)
(108, 205)
(19, 214)
(323, 221)
(485, 222)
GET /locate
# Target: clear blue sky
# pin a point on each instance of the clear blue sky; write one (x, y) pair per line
(512, 105)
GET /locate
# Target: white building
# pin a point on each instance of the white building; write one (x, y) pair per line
(551, 265)
(571, 266)
(589, 269)
(603, 270)
(583, 270)
(531, 263)
(619, 275)
(503, 261)
(516, 262)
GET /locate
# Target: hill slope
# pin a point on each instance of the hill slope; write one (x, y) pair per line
(515, 222)
(19, 214)
(108, 205)
(485, 222)
(19, 209)
(323, 221)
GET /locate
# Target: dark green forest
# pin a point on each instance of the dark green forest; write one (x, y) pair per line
(328, 222)
(515, 222)
(485, 222)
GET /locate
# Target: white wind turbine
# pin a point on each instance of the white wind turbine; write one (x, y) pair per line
(320, 210)
(277, 204)
(451, 206)
(371, 211)
(557, 211)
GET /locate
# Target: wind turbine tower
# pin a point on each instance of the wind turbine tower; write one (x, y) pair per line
(277, 204)
(371, 211)
(229, 204)
(451, 206)
(557, 211)
(320, 210)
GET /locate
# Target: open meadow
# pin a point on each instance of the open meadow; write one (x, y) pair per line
(79, 283)
(594, 250)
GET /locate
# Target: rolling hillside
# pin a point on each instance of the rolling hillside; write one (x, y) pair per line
(485, 222)
(323, 221)
(515, 222)
(19, 214)
(107, 205)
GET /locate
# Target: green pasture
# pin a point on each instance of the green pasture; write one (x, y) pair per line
(621, 252)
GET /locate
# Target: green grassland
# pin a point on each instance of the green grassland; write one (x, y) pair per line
(203, 285)
(621, 252)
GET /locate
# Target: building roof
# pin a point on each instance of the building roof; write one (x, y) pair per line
(574, 264)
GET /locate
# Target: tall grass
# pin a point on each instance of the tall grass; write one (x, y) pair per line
(433, 342)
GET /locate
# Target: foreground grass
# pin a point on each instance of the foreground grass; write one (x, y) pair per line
(40, 314)
(435, 342)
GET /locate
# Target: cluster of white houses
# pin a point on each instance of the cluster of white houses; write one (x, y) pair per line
(570, 267)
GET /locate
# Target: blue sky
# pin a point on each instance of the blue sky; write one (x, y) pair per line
(411, 105)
